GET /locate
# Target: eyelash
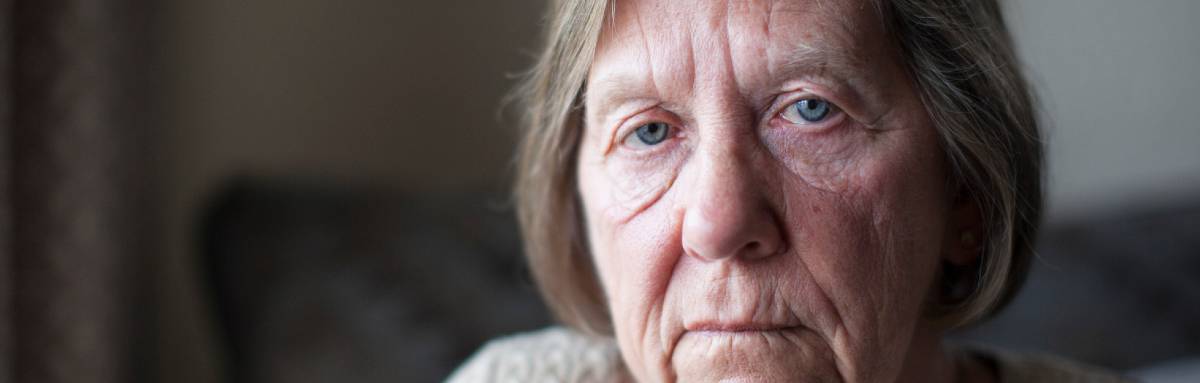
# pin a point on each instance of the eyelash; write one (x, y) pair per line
(835, 115)
(629, 132)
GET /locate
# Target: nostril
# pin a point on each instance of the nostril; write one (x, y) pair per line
(757, 249)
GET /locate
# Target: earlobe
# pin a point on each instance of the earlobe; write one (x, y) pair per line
(963, 240)
(962, 251)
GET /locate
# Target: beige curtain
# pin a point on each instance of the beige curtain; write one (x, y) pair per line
(73, 223)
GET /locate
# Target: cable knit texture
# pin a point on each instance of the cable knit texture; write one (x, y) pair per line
(555, 354)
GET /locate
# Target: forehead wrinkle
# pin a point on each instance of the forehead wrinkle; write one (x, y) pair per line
(813, 58)
(749, 69)
(609, 89)
(691, 59)
(832, 48)
(714, 79)
(810, 41)
(726, 42)
(675, 61)
(614, 89)
(620, 84)
(770, 39)
(646, 52)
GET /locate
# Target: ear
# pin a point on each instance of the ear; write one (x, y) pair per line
(963, 243)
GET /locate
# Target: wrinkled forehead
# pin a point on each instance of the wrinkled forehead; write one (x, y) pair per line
(750, 38)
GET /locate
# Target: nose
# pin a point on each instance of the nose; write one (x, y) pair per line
(728, 214)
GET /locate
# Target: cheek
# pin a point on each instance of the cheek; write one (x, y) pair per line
(634, 232)
(826, 161)
(880, 235)
(635, 256)
(629, 227)
(635, 182)
(870, 233)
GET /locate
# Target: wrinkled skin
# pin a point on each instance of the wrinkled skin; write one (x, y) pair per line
(746, 246)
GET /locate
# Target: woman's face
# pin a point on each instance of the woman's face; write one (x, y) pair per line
(764, 194)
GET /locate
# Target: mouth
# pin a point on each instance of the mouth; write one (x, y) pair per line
(736, 344)
(725, 329)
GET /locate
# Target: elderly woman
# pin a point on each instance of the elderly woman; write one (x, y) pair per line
(775, 191)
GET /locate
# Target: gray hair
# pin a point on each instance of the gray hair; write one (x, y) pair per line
(961, 58)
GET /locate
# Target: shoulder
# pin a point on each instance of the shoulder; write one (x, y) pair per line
(555, 354)
(1032, 367)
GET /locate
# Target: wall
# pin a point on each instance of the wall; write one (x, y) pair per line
(1118, 82)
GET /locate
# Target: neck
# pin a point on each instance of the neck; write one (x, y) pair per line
(929, 361)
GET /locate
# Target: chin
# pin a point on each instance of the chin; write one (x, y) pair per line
(789, 355)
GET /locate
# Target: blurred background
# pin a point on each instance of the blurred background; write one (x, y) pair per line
(316, 190)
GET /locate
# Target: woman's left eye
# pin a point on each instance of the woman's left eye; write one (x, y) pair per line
(808, 111)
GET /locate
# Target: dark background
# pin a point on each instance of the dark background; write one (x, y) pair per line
(395, 101)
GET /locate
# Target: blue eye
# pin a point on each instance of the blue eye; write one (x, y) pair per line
(808, 110)
(652, 133)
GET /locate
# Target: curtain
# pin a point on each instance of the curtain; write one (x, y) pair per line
(73, 216)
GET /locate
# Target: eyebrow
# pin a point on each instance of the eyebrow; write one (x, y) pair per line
(618, 89)
(813, 58)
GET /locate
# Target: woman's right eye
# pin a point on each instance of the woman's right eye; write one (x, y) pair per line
(650, 134)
